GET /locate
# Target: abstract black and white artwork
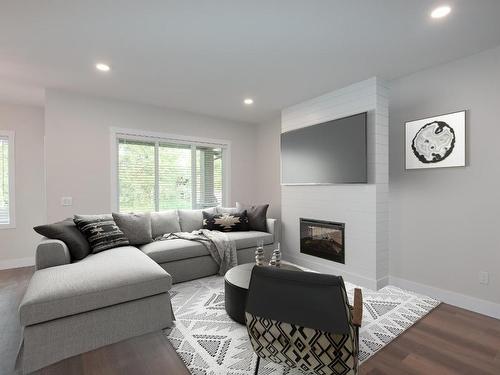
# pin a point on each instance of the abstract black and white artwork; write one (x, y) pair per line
(436, 142)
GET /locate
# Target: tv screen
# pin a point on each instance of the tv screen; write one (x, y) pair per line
(332, 152)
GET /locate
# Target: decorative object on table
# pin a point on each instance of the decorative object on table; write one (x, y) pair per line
(259, 253)
(276, 256)
(272, 261)
(436, 142)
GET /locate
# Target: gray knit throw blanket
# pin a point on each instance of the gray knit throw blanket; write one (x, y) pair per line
(218, 244)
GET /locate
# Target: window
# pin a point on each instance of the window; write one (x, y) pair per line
(7, 179)
(157, 173)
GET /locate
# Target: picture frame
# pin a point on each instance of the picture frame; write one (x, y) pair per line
(436, 142)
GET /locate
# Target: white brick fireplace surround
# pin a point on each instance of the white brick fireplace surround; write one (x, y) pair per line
(362, 207)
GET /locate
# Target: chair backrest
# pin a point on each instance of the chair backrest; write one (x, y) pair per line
(301, 319)
(307, 299)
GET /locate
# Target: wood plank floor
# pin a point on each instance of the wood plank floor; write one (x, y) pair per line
(448, 341)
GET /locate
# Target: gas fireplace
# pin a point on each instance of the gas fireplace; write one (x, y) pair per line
(323, 239)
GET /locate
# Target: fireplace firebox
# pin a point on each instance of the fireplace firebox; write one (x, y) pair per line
(323, 239)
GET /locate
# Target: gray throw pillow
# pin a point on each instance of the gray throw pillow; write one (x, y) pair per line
(67, 232)
(257, 218)
(136, 227)
(164, 222)
(191, 220)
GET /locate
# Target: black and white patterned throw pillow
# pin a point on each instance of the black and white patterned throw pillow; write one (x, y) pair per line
(226, 222)
(101, 232)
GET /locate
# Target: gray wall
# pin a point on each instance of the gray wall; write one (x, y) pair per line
(78, 156)
(445, 223)
(17, 245)
(268, 166)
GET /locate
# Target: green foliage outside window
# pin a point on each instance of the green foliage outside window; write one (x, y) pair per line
(178, 185)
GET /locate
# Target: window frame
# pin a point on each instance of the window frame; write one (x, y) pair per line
(10, 135)
(148, 136)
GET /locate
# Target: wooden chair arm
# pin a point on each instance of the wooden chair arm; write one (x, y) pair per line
(357, 309)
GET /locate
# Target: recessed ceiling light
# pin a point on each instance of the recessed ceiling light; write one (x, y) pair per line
(441, 11)
(102, 67)
(248, 101)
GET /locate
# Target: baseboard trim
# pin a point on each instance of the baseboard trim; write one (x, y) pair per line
(383, 281)
(348, 276)
(480, 306)
(17, 263)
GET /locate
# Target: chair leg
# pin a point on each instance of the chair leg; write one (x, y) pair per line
(257, 366)
(356, 354)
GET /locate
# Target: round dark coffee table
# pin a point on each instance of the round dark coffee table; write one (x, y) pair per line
(236, 284)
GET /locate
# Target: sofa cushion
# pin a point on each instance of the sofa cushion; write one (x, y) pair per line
(178, 249)
(174, 249)
(248, 239)
(114, 276)
(101, 231)
(164, 222)
(67, 232)
(191, 220)
(135, 226)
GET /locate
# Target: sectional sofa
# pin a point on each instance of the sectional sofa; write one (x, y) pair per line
(73, 307)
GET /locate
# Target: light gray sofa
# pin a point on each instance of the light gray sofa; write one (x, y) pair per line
(70, 308)
(187, 260)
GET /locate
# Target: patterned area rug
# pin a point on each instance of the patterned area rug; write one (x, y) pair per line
(210, 343)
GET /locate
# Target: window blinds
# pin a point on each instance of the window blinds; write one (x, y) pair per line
(4, 181)
(156, 175)
(175, 176)
(208, 177)
(136, 176)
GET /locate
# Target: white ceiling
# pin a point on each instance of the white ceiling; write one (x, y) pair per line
(207, 56)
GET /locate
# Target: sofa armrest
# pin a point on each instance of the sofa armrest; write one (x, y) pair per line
(50, 253)
(273, 227)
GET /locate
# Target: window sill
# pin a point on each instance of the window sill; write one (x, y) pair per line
(7, 226)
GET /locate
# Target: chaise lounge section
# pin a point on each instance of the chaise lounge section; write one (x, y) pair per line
(104, 298)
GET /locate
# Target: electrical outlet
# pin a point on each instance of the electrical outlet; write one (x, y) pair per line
(66, 201)
(484, 277)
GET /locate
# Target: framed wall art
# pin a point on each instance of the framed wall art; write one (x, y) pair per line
(436, 142)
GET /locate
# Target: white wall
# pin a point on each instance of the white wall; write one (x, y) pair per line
(363, 207)
(78, 147)
(268, 166)
(17, 245)
(444, 223)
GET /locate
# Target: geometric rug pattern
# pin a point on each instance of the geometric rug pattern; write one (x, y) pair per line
(210, 343)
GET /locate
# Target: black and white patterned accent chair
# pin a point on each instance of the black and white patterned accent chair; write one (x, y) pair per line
(303, 320)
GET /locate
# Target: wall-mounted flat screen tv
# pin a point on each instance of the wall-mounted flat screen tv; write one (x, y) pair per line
(332, 152)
